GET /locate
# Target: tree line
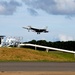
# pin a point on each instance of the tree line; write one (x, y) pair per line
(68, 45)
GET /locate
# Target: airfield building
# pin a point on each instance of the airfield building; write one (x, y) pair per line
(9, 41)
(1, 40)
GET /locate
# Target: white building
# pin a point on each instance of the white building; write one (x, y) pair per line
(12, 41)
(9, 41)
(2, 41)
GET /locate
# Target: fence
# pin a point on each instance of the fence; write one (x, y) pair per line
(47, 48)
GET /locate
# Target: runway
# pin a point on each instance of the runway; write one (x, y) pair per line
(36, 66)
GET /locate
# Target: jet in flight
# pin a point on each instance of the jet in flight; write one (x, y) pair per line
(37, 30)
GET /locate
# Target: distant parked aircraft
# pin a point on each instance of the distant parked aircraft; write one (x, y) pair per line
(37, 30)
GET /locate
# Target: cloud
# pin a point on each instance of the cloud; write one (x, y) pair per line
(55, 7)
(8, 8)
(1, 8)
(32, 12)
(63, 37)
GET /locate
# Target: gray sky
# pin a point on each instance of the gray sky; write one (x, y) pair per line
(58, 15)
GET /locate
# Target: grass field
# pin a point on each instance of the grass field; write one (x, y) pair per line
(25, 54)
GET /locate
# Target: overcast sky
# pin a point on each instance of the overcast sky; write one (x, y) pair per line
(58, 15)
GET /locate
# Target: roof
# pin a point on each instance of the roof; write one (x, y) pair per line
(1, 36)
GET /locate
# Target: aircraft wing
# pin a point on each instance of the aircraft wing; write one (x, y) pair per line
(25, 27)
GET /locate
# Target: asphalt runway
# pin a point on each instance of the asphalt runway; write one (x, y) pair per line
(36, 66)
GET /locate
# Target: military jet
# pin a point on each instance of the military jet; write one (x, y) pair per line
(37, 30)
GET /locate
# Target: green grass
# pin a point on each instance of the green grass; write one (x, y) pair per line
(25, 54)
